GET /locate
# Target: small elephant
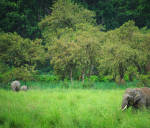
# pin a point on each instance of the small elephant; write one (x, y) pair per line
(24, 88)
(136, 97)
(15, 85)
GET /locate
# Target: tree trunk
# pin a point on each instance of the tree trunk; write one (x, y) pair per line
(114, 76)
(131, 77)
(71, 74)
(138, 66)
(91, 70)
(83, 76)
(148, 67)
(121, 73)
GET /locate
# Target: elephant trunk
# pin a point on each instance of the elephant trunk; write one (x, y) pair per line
(124, 104)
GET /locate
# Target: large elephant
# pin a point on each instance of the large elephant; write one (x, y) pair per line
(136, 97)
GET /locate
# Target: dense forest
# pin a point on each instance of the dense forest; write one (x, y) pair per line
(22, 16)
(100, 40)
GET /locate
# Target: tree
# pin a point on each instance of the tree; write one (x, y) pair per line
(89, 39)
(59, 32)
(19, 55)
(76, 52)
(17, 51)
(63, 57)
(113, 13)
(122, 50)
(65, 15)
(22, 16)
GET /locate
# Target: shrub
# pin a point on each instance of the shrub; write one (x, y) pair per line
(5, 73)
(119, 81)
(48, 78)
(65, 83)
(131, 73)
(126, 77)
(6, 77)
(93, 78)
(24, 73)
(144, 80)
(106, 78)
(88, 84)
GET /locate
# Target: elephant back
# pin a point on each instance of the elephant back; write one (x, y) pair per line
(146, 91)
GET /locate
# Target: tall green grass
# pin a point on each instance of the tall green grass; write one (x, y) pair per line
(68, 108)
(78, 85)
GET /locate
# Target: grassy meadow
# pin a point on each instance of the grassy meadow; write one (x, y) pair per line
(68, 108)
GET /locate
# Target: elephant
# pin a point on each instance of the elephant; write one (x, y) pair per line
(24, 88)
(15, 85)
(136, 97)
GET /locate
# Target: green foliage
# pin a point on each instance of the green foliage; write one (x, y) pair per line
(88, 84)
(11, 49)
(88, 38)
(24, 73)
(72, 45)
(144, 80)
(5, 74)
(65, 15)
(19, 57)
(17, 51)
(105, 78)
(47, 78)
(86, 48)
(63, 31)
(126, 77)
(22, 16)
(93, 78)
(6, 77)
(113, 13)
(62, 34)
(78, 54)
(108, 78)
(75, 84)
(124, 50)
(3, 67)
(131, 73)
(65, 83)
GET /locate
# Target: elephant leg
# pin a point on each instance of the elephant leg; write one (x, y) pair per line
(141, 104)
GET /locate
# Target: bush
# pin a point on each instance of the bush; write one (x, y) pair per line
(119, 81)
(131, 73)
(5, 73)
(47, 78)
(24, 73)
(93, 78)
(106, 78)
(144, 80)
(6, 77)
(88, 84)
(66, 83)
(126, 77)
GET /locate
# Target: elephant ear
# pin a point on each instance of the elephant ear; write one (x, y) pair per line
(137, 97)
